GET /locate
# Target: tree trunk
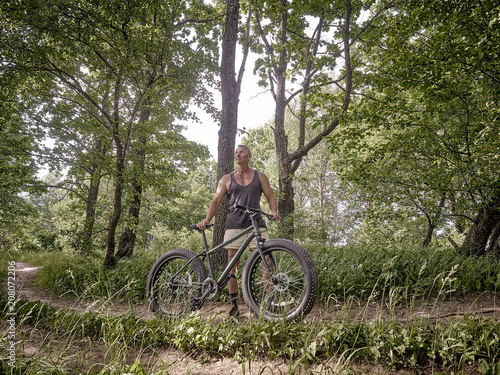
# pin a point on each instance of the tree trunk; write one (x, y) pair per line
(428, 236)
(494, 244)
(129, 234)
(88, 227)
(229, 120)
(289, 162)
(230, 92)
(93, 192)
(286, 203)
(459, 220)
(121, 149)
(431, 220)
(127, 239)
(483, 228)
(110, 259)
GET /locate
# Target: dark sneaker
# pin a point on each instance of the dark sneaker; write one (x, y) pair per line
(234, 312)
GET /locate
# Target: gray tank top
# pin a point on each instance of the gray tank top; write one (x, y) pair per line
(248, 195)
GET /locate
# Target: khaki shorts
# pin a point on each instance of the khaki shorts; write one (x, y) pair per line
(236, 244)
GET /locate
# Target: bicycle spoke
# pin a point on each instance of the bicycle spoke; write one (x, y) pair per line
(283, 290)
(175, 283)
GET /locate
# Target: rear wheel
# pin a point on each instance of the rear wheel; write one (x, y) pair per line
(290, 291)
(175, 282)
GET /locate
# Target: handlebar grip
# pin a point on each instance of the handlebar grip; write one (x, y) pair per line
(195, 226)
(270, 217)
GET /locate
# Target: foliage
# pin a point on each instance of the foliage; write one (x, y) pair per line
(422, 138)
(463, 342)
(84, 277)
(362, 271)
(391, 273)
(326, 213)
(105, 84)
(402, 271)
(187, 200)
(17, 169)
(305, 50)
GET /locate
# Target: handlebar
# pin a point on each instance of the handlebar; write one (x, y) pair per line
(253, 211)
(248, 210)
(195, 226)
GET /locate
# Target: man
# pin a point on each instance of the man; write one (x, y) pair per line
(243, 186)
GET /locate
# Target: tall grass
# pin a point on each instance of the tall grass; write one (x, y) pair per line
(399, 272)
(387, 275)
(417, 344)
(405, 270)
(85, 277)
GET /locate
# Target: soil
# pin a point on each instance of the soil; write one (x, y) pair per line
(434, 310)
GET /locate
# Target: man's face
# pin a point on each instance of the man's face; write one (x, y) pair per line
(242, 155)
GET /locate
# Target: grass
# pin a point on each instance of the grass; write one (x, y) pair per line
(463, 342)
(391, 276)
(403, 272)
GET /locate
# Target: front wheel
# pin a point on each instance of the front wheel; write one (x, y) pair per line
(175, 283)
(289, 291)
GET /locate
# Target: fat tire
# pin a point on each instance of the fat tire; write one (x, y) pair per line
(175, 300)
(293, 294)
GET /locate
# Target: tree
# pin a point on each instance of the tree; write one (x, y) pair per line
(119, 60)
(17, 173)
(230, 92)
(293, 54)
(17, 166)
(430, 119)
(325, 210)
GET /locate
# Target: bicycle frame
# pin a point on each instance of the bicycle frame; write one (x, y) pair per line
(255, 233)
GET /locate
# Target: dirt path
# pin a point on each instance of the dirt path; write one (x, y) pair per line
(484, 304)
(179, 363)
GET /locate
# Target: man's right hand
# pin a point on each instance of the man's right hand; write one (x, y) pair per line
(203, 224)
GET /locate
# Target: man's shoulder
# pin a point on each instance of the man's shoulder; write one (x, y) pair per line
(261, 174)
(225, 180)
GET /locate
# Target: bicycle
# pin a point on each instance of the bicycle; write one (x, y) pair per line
(279, 282)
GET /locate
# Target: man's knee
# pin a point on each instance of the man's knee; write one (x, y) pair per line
(231, 253)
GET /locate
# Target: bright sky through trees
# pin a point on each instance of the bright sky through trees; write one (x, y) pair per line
(256, 108)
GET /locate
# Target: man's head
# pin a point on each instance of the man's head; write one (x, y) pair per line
(242, 154)
(244, 147)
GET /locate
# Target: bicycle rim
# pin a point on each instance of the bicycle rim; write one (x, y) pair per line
(290, 293)
(174, 291)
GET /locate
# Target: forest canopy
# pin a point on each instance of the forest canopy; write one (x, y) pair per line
(387, 125)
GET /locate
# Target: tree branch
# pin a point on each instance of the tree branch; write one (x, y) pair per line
(347, 93)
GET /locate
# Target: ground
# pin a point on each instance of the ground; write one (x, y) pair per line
(484, 304)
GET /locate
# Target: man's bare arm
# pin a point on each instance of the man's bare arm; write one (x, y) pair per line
(215, 203)
(269, 194)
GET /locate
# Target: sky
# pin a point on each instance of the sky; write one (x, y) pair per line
(256, 108)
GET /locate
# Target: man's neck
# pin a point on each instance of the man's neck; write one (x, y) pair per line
(243, 169)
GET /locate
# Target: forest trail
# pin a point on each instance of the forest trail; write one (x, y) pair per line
(483, 304)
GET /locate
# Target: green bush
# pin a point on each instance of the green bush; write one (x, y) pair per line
(373, 271)
(85, 277)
